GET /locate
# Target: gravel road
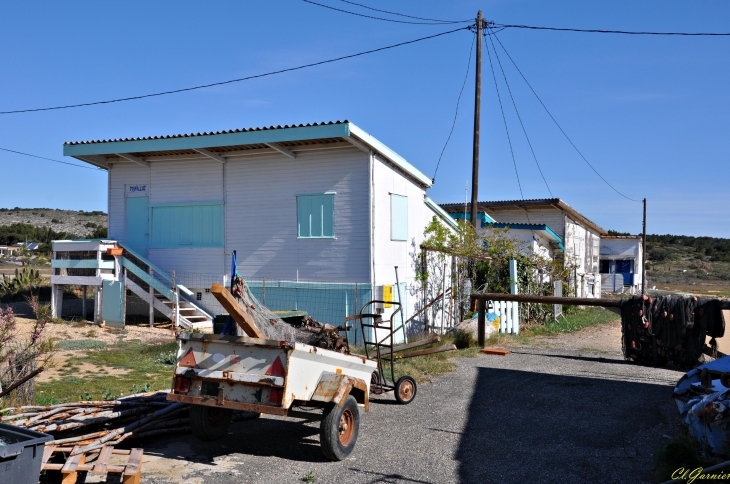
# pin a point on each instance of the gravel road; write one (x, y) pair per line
(546, 413)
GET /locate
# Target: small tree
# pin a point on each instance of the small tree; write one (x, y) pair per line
(20, 354)
(482, 264)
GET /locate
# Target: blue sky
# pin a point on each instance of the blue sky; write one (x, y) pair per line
(650, 113)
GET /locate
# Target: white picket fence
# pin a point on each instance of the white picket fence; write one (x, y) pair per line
(508, 311)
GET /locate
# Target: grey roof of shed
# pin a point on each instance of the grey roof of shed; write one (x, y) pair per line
(532, 202)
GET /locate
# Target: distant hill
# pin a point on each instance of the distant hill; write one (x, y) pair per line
(43, 223)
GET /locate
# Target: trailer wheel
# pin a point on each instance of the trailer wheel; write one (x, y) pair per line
(209, 423)
(405, 390)
(339, 429)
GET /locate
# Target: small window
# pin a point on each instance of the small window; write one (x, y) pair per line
(198, 296)
(398, 217)
(316, 216)
(605, 267)
(207, 291)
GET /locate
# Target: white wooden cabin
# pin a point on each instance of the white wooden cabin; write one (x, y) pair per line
(580, 237)
(318, 214)
(622, 257)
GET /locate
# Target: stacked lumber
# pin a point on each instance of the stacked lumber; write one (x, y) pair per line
(91, 425)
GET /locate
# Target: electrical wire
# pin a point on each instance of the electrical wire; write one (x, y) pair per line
(509, 139)
(256, 76)
(382, 18)
(458, 101)
(51, 159)
(504, 118)
(626, 32)
(509, 90)
(408, 16)
(558, 125)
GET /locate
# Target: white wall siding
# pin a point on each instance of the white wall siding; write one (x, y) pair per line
(389, 253)
(121, 174)
(186, 181)
(552, 217)
(193, 267)
(261, 215)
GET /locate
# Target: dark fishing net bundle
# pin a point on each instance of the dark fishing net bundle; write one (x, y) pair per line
(669, 328)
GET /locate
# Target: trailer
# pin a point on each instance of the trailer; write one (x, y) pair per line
(218, 375)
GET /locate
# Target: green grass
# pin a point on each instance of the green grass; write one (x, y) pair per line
(572, 322)
(424, 368)
(143, 368)
(80, 344)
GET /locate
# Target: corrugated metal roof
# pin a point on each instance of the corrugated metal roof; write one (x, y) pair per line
(205, 133)
(556, 202)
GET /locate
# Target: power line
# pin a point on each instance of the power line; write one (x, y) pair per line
(408, 16)
(51, 159)
(175, 91)
(558, 125)
(381, 18)
(499, 61)
(509, 139)
(458, 101)
(625, 32)
(504, 118)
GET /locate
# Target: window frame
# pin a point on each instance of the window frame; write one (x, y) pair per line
(392, 219)
(331, 195)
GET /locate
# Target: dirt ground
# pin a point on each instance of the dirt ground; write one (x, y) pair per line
(80, 330)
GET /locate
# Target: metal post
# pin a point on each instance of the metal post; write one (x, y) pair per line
(152, 300)
(481, 322)
(400, 301)
(477, 112)
(173, 314)
(443, 299)
(83, 302)
(643, 254)
(354, 322)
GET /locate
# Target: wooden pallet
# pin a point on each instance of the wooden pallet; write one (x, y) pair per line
(131, 472)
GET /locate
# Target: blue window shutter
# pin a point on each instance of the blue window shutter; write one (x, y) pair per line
(398, 217)
(315, 216)
(188, 226)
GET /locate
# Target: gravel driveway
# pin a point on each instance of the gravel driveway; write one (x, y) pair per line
(541, 414)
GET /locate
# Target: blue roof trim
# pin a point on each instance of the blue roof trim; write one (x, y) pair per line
(440, 212)
(391, 155)
(483, 216)
(210, 141)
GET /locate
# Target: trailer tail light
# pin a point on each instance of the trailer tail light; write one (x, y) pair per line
(182, 384)
(275, 396)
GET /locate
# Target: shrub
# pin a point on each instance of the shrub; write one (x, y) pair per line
(464, 339)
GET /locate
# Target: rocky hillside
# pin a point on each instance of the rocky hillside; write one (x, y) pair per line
(69, 221)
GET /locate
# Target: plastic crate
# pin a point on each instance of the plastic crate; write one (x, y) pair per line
(21, 455)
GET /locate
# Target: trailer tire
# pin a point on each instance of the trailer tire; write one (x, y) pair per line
(405, 390)
(339, 429)
(209, 423)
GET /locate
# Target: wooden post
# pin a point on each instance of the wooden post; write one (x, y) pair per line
(481, 322)
(83, 302)
(174, 313)
(97, 305)
(477, 112)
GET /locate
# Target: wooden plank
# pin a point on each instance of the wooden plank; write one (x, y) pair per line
(103, 460)
(47, 452)
(69, 469)
(415, 344)
(429, 351)
(133, 469)
(240, 316)
(491, 351)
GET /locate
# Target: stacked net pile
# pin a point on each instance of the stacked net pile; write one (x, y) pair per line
(309, 332)
(669, 328)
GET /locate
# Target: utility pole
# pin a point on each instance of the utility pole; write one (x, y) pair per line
(643, 254)
(477, 106)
